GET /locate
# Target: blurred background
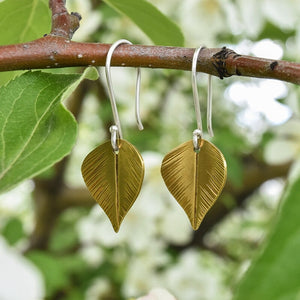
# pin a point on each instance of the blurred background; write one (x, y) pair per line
(56, 243)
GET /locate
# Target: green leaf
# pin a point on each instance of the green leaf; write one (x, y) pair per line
(13, 231)
(53, 272)
(64, 237)
(26, 20)
(59, 272)
(273, 32)
(36, 130)
(276, 272)
(7, 76)
(160, 29)
(73, 264)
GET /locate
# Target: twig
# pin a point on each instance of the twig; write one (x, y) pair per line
(57, 52)
(63, 23)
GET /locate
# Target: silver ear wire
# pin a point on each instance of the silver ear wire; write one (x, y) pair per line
(137, 100)
(195, 89)
(209, 106)
(196, 97)
(118, 131)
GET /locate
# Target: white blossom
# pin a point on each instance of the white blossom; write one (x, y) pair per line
(100, 287)
(286, 146)
(19, 278)
(157, 294)
(90, 19)
(92, 254)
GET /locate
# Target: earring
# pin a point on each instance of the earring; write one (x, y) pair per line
(114, 171)
(195, 172)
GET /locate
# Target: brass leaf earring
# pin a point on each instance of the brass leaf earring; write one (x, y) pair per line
(195, 172)
(114, 171)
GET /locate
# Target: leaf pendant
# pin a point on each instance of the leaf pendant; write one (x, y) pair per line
(195, 179)
(114, 180)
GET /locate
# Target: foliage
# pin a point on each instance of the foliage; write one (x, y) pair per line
(26, 22)
(162, 32)
(155, 246)
(37, 130)
(279, 259)
(13, 231)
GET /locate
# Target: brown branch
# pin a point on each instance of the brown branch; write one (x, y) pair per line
(63, 24)
(57, 52)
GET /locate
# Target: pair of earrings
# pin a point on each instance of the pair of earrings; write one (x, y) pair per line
(194, 172)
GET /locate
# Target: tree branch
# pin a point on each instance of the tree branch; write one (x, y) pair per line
(63, 24)
(58, 52)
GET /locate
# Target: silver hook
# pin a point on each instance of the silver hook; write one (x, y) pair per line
(199, 130)
(137, 100)
(195, 89)
(117, 131)
(209, 106)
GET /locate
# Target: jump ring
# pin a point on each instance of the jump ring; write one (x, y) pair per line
(197, 136)
(114, 130)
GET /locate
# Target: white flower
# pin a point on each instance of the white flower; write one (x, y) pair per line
(99, 288)
(286, 146)
(201, 20)
(136, 230)
(144, 265)
(191, 278)
(259, 107)
(14, 201)
(272, 50)
(175, 227)
(140, 276)
(19, 278)
(251, 16)
(157, 294)
(92, 254)
(90, 19)
(17, 203)
(285, 14)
